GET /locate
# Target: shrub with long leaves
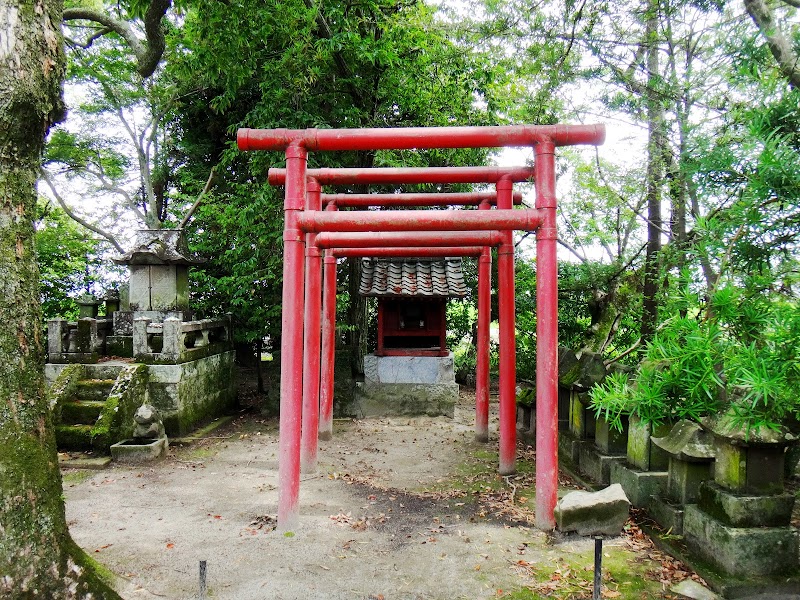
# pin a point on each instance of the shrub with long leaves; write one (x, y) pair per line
(742, 356)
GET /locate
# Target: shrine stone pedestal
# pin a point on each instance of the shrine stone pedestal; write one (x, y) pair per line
(407, 386)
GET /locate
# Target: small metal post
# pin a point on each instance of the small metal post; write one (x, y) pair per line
(202, 595)
(598, 566)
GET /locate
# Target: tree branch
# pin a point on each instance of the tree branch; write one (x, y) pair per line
(779, 45)
(207, 187)
(108, 236)
(147, 55)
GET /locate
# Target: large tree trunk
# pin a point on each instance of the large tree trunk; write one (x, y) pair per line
(655, 148)
(38, 559)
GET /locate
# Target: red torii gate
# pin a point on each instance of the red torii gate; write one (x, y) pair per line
(296, 144)
(367, 244)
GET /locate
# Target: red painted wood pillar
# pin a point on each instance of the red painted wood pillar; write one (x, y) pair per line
(291, 342)
(482, 351)
(546, 339)
(328, 347)
(311, 340)
(508, 355)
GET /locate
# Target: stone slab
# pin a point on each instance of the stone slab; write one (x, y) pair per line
(409, 369)
(596, 465)
(739, 510)
(756, 551)
(689, 588)
(405, 399)
(639, 486)
(90, 464)
(593, 513)
(667, 514)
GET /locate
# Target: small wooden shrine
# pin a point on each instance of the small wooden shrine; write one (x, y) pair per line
(412, 298)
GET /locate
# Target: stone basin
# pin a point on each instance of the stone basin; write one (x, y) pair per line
(139, 450)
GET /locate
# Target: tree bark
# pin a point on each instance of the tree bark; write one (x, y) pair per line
(655, 145)
(779, 45)
(37, 555)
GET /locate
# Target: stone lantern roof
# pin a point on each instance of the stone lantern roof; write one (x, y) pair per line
(159, 247)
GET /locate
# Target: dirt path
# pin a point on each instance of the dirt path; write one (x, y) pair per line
(398, 509)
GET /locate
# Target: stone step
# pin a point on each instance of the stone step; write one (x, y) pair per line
(106, 370)
(93, 390)
(81, 412)
(74, 437)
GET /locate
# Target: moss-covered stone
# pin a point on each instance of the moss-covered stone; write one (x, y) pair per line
(610, 440)
(116, 419)
(739, 510)
(74, 437)
(750, 469)
(683, 485)
(78, 412)
(755, 551)
(63, 388)
(641, 452)
(582, 421)
(93, 389)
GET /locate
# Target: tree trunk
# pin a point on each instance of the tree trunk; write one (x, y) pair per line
(655, 145)
(37, 556)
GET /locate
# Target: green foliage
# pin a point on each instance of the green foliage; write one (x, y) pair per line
(69, 261)
(744, 358)
(376, 64)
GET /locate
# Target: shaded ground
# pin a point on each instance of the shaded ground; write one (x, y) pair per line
(398, 509)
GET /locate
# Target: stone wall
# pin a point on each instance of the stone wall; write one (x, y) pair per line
(188, 393)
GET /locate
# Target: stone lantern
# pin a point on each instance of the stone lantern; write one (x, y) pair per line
(159, 265)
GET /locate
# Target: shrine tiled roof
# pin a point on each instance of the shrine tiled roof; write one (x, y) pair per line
(412, 277)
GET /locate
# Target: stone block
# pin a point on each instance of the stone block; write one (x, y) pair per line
(754, 551)
(739, 510)
(569, 448)
(608, 439)
(581, 418)
(596, 465)
(683, 484)
(751, 469)
(639, 486)
(667, 514)
(405, 399)
(641, 452)
(409, 369)
(593, 513)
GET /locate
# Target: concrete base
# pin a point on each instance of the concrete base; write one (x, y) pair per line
(757, 551)
(639, 486)
(596, 465)
(139, 451)
(668, 515)
(409, 369)
(405, 399)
